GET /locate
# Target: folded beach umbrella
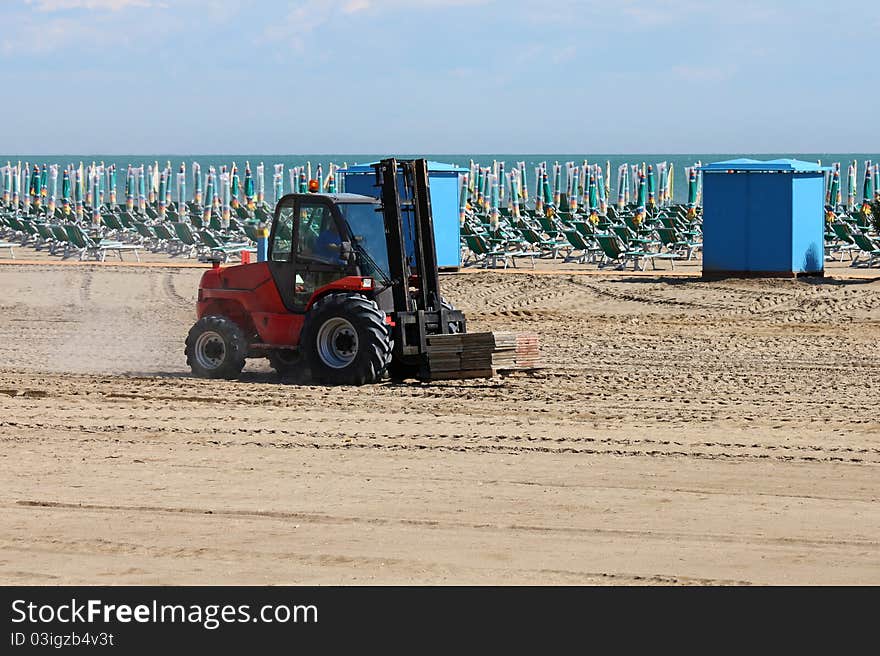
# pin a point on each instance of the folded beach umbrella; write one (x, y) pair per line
(163, 188)
(95, 184)
(621, 187)
(539, 192)
(600, 184)
(261, 184)
(834, 191)
(129, 189)
(181, 193)
(524, 183)
(26, 187)
(516, 194)
(111, 184)
(463, 198)
(101, 171)
(557, 184)
(868, 188)
(249, 191)
(234, 185)
(15, 186)
(169, 186)
(209, 196)
(155, 177)
(44, 181)
(79, 192)
(664, 181)
(197, 184)
(850, 188)
(142, 189)
(877, 182)
(494, 212)
(607, 178)
(65, 192)
(652, 188)
(278, 184)
(487, 189)
(35, 186)
(225, 200)
(500, 176)
(641, 201)
(52, 190)
(304, 179)
(331, 181)
(549, 205)
(573, 194)
(319, 176)
(692, 192)
(7, 183)
(478, 188)
(593, 192)
(7, 187)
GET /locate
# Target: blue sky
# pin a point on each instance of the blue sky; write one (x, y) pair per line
(438, 76)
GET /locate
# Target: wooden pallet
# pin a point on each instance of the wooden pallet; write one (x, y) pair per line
(481, 355)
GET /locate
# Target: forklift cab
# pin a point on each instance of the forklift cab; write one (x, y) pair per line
(317, 239)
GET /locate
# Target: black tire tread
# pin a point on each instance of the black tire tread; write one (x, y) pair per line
(236, 347)
(375, 352)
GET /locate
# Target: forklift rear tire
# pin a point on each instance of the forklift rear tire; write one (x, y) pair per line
(346, 341)
(216, 348)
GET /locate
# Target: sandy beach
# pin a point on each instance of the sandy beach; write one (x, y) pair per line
(683, 432)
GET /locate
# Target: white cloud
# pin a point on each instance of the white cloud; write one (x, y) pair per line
(111, 5)
(353, 6)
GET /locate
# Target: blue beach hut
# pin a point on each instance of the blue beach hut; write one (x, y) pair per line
(444, 180)
(763, 218)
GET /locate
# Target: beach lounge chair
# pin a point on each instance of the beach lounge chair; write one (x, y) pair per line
(616, 251)
(579, 243)
(215, 246)
(843, 242)
(87, 247)
(147, 237)
(675, 243)
(191, 244)
(167, 239)
(47, 237)
(61, 239)
(488, 254)
(866, 246)
(547, 247)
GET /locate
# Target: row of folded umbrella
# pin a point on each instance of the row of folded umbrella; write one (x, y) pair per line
(570, 187)
(86, 189)
(834, 190)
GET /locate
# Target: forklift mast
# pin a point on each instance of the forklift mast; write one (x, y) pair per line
(406, 203)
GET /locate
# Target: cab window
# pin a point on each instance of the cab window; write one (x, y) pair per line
(281, 245)
(318, 237)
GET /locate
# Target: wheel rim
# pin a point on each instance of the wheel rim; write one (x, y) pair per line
(210, 350)
(337, 343)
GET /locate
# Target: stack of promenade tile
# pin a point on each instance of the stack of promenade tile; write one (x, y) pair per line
(482, 355)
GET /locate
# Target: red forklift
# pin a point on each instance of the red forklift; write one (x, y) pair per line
(349, 290)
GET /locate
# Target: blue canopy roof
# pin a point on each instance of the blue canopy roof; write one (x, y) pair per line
(433, 167)
(773, 165)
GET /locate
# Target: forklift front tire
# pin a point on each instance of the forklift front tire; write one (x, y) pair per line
(346, 341)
